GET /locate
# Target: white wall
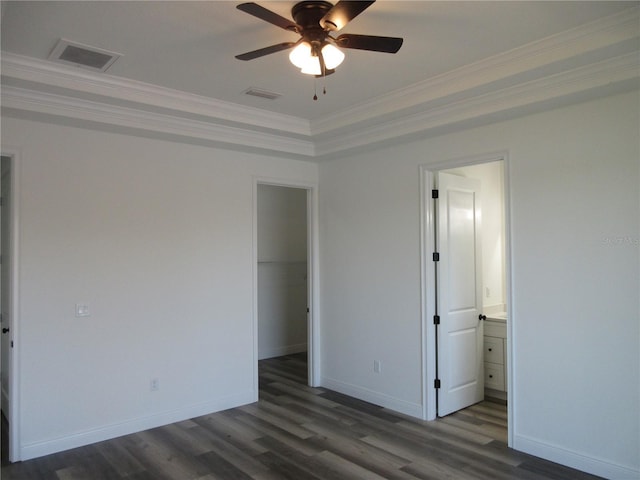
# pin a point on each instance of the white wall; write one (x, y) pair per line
(574, 183)
(491, 176)
(282, 270)
(157, 237)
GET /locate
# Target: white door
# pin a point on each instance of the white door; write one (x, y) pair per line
(459, 293)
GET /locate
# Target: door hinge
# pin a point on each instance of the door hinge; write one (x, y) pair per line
(436, 257)
(434, 193)
(307, 309)
(436, 383)
(436, 319)
(11, 343)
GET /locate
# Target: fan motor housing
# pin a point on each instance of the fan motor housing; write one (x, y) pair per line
(309, 13)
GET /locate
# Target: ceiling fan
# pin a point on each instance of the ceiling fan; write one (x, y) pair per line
(317, 52)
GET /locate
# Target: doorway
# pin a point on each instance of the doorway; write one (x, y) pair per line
(285, 252)
(8, 325)
(490, 175)
(493, 322)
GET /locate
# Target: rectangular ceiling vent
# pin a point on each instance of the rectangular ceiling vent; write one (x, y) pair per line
(84, 56)
(258, 92)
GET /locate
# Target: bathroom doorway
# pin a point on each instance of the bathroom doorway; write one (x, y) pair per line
(494, 279)
(490, 347)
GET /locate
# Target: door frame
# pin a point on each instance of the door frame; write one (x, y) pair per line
(313, 276)
(428, 288)
(13, 415)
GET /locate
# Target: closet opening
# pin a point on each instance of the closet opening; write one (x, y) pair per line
(283, 277)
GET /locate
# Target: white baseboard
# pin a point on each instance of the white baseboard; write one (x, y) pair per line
(573, 459)
(280, 351)
(79, 439)
(377, 398)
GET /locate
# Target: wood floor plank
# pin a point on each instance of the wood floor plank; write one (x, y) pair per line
(346, 468)
(366, 456)
(262, 412)
(427, 469)
(286, 414)
(483, 418)
(304, 433)
(286, 470)
(305, 395)
(314, 412)
(495, 431)
(553, 471)
(441, 428)
(119, 458)
(277, 433)
(240, 450)
(87, 463)
(490, 409)
(270, 376)
(233, 432)
(425, 462)
(224, 468)
(161, 457)
(317, 464)
(466, 446)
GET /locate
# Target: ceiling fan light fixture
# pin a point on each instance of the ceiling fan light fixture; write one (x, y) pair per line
(303, 57)
(300, 55)
(332, 56)
(312, 66)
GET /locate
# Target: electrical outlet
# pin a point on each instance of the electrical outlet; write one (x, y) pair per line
(377, 366)
(82, 310)
(154, 385)
(487, 291)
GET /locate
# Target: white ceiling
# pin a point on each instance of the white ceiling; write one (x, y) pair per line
(189, 47)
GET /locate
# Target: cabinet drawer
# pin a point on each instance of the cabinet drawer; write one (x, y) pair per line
(493, 350)
(494, 376)
(495, 329)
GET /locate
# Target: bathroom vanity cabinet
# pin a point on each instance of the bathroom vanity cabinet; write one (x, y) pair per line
(495, 348)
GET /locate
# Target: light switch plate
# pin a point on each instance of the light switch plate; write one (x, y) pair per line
(82, 310)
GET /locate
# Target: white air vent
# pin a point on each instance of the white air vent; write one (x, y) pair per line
(258, 92)
(84, 56)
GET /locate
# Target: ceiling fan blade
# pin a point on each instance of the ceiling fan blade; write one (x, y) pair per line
(342, 13)
(268, 16)
(369, 42)
(265, 51)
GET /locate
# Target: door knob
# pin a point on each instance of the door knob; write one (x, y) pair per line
(5, 330)
(482, 317)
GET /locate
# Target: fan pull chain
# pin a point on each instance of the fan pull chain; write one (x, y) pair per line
(324, 78)
(315, 84)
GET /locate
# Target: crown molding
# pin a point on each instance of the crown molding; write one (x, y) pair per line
(58, 105)
(48, 73)
(601, 74)
(608, 72)
(592, 36)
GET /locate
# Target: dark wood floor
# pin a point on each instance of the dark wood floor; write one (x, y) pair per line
(297, 432)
